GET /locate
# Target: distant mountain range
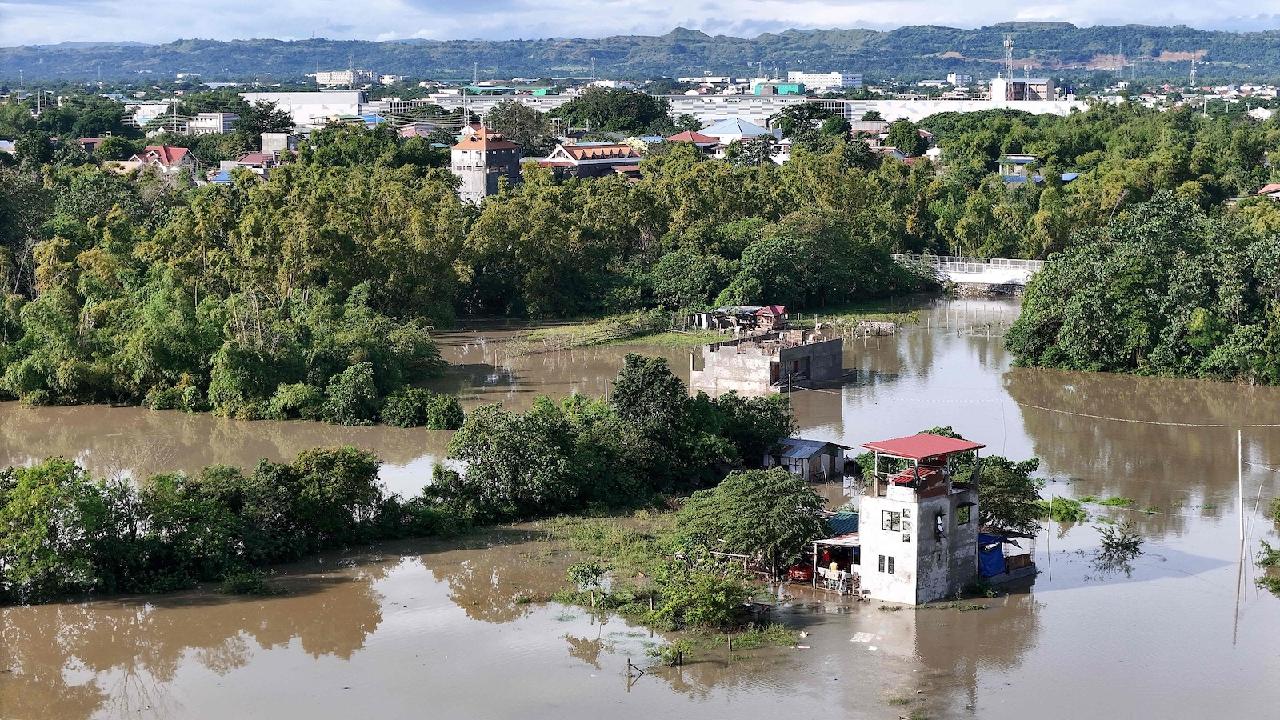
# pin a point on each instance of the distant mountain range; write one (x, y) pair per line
(907, 53)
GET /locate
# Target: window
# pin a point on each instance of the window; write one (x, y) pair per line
(890, 565)
(890, 520)
(939, 525)
(906, 537)
(964, 514)
(880, 565)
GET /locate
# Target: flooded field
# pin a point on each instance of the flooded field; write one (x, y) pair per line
(437, 629)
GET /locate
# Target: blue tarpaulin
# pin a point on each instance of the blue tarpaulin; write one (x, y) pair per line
(990, 555)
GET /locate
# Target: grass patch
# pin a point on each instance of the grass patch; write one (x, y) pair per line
(1063, 510)
(773, 634)
(673, 339)
(1113, 501)
(1268, 556)
(248, 582)
(616, 328)
(1273, 510)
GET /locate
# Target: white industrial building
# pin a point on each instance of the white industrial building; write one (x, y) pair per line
(312, 109)
(826, 81)
(212, 123)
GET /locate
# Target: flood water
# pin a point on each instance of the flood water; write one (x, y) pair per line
(436, 629)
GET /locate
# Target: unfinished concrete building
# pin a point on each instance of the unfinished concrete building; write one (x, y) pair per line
(769, 362)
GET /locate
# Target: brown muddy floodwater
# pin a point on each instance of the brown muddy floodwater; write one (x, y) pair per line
(436, 630)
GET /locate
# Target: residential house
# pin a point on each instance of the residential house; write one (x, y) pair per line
(1271, 190)
(918, 527)
(166, 159)
(735, 129)
(766, 363)
(741, 319)
(585, 160)
(278, 144)
(1015, 165)
(418, 128)
(707, 144)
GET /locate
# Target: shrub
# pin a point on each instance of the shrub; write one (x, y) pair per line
(406, 408)
(699, 598)
(298, 400)
(247, 582)
(352, 396)
(444, 412)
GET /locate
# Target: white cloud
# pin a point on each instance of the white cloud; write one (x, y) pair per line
(47, 21)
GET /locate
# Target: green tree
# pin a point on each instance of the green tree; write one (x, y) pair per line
(769, 515)
(904, 135)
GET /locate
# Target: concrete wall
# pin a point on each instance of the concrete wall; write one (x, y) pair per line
(746, 369)
(826, 360)
(926, 568)
(721, 369)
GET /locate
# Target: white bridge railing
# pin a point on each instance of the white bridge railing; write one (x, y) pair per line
(971, 269)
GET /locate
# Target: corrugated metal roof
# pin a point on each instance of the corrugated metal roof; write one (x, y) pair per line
(799, 448)
(924, 445)
(843, 523)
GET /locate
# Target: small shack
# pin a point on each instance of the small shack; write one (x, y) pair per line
(996, 564)
(836, 558)
(814, 460)
(741, 319)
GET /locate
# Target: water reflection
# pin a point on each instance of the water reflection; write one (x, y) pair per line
(443, 626)
(75, 660)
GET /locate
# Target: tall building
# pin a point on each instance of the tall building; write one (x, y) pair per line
(917, 528)
(1022, 89)
(312, 109)
(212, 123)
(338, 78)
(826, 81)
(479, 159)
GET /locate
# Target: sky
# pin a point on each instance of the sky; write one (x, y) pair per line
(26, 22)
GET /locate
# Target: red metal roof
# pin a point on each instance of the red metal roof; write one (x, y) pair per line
(924, 445)
(167, 155)
(689, 136)
(774, 310)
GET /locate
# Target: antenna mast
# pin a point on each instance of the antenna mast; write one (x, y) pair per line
(1008, 66)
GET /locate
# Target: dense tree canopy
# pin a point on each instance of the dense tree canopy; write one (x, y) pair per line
(649, 437)
(1164, 289)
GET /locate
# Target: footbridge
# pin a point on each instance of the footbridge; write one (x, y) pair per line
(1000, 276)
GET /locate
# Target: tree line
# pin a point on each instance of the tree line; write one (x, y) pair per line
(63, 532)
(313, 293)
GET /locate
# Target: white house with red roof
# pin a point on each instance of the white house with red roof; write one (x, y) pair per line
(917, 527)
(166, 159)
(705, 143)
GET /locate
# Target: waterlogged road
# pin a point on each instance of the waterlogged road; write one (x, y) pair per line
(432, 629)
